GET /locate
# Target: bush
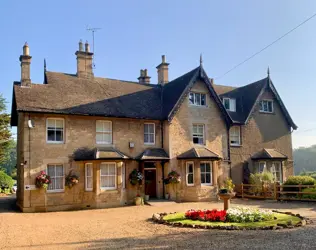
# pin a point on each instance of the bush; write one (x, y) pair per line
(297, 180)
(258, 179)
(309, 196)
(206, 215)
(6, 182)
(244, 214)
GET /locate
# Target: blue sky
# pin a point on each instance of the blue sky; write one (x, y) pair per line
(135, 34)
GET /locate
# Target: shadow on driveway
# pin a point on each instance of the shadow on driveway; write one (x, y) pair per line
(8, 204)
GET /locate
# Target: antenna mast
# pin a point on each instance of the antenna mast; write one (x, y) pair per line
(93, 50)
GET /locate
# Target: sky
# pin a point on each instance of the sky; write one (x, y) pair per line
(134, 35)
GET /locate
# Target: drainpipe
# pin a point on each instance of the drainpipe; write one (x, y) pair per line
(163, 177)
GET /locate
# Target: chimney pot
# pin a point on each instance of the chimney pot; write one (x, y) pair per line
(80, 45)
(25, 60)
(144, 78)
(145, 72)
(163, 71)
(87, 47)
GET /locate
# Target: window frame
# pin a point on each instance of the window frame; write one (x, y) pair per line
(239, 136)
(261, 106)
(104, 132)
(198, 124)
(280, 170)
(55, 118)
(63, 178)
(211, 173)
(150, 143)
(115, 175)
(264, 168)
(86, 176)
(187, 173)
(194, 99)
(231, 103)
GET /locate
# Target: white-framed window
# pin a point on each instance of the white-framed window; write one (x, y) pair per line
(190, 173)
(149, 133)
(56, 174)
(197, 99)
(262, 166)
(103, 132)
(229, 104)
(276, 170)
(123, 176)
(234, 136)
(108, 175)
(206, 173)
(198, 134)
(266, 106)
(55, 130)
(88, 176)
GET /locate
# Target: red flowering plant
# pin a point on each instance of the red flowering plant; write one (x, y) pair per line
(42, 180)
(206, 215)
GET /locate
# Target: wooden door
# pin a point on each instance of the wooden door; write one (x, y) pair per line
(150, 182)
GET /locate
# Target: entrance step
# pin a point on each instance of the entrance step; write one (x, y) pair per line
(159, 202)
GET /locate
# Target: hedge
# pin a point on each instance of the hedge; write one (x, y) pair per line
(298, 180)
(6, 181)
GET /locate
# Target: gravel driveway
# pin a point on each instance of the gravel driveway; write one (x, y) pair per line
(129, 228)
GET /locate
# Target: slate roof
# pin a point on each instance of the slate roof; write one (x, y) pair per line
(198, 153)
(153, 154)
(67, 94)
(99, 153)
(266, 154)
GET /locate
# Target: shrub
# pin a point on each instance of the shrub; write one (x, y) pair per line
(6, 181)
(173, 177)
(309, 196)
(244, 214)
(297, 180)
(228, 185)
(258, 179)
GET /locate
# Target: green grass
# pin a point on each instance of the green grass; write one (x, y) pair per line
(281, 219)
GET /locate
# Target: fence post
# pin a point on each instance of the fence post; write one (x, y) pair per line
(242, 190)
(263, 190)
(300, 190)
(275, 190)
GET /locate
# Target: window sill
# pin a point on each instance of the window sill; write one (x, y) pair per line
(114, 190)
(149, 144)
(206, 185)
(55, 191)
(55, 142)
(236, 145)
(198, 145)
(104, 143)
(89, 190)
(190, 185)
(264, 112)
(198, 106)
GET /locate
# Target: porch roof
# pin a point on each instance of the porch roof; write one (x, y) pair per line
(266, 154)
(101, 153)
(153, 154)
(199, 153)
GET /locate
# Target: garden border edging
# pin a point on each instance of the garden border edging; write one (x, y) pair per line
(158, 218)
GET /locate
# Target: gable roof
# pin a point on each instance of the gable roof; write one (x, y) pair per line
(174, 93)
(248, 96)
(268, 154)
(198, 153)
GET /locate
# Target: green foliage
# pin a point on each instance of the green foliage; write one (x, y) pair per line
(9, 163)
(6, 182)
(309, 196)
(304, 159)
(258, 179)
(297, 180)
(309, 173)
(228, 185)
(5, 133)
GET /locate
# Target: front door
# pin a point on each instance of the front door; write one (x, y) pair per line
(150, 182)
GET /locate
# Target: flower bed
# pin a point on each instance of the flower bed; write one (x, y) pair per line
(266, 220)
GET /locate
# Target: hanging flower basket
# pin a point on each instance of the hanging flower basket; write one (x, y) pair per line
(42, 180)
(135, 177)
(71, 179)
(172, 178)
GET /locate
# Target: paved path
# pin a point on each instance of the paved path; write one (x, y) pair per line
(129, 228)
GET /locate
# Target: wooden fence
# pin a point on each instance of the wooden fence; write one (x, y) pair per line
(276, 191)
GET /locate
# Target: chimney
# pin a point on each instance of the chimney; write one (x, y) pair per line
(84, 61)
(25, 60)
(144, 78)
(162, 70)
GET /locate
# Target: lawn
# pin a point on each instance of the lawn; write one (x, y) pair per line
(281, 219)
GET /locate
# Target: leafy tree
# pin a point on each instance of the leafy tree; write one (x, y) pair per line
(5, 133)
(9, 165)
(304, 159)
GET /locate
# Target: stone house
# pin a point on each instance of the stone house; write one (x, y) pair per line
(102, 129)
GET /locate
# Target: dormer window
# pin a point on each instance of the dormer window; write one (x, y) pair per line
(197, 99)
(266, 106)
(229, 104)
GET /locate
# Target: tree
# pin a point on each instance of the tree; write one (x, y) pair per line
(5, 133)
(9, 165)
